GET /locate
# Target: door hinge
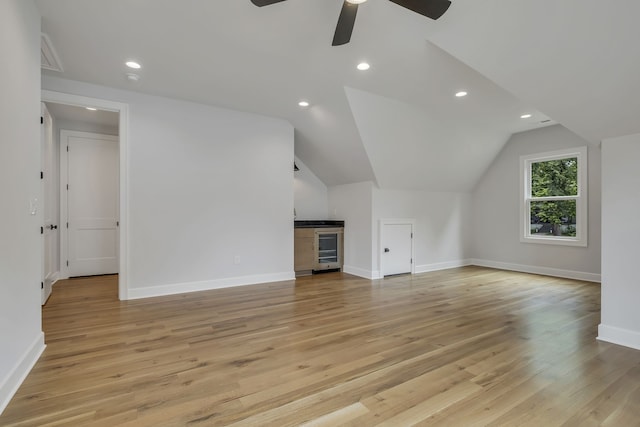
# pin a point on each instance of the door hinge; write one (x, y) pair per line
(67, 225)
(67, 187)
(67, 148)
(67, 263)
(412, 235)
(41, 230)
(117, 223)
(41, 120)
(41, 175)
(41, 285)
(411, 261)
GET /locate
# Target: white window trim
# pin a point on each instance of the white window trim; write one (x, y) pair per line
(581, 199)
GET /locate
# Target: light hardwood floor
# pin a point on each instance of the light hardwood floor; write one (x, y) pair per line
(462, 347)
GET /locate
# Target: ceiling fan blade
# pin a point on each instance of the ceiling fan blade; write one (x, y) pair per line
(433, 9)
(261, 3)
(345, 24)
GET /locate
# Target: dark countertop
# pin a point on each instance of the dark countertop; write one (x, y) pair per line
(315, 223)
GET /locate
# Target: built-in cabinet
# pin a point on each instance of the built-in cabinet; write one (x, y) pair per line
(317, 249)
(303, 252)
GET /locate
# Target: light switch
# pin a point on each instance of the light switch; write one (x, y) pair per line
(33, 206)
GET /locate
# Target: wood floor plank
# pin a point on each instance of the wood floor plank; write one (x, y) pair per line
(460, 347)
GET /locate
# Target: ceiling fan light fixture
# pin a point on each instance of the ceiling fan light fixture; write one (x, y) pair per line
(432, 9)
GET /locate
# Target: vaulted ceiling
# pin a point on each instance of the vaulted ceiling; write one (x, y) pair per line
(398, 124)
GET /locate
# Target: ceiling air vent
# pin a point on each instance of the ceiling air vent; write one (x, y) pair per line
(48, 56)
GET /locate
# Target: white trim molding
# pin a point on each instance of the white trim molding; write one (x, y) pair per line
(361, 272)
(526, 162)
(619, 336)
(10, 385)
(534, 269)
(123, 135)
(207, 285)
(425, 268)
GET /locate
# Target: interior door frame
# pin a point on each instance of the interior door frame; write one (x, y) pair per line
(123, 139)
(64, 194)
(395, 221)
(46, 138)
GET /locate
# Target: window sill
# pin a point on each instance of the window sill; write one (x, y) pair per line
(552, 240)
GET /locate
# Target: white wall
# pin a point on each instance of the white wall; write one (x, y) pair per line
(620, 239)
(353, 203)
(21, 338)
(496, 212)
(210, 193)
(310, 194)
(442, 225)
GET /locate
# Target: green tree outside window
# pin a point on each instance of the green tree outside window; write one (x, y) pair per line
(554, 178)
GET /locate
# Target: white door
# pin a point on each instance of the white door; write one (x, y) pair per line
(396, 249)
(92, 203)
(50, 229)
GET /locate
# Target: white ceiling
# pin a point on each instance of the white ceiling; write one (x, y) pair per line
(397, 124)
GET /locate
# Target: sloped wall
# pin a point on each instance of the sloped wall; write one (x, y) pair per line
(496, 212)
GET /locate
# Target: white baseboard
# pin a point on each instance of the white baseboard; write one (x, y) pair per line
(425, 268)
(361, 272)
(545, 271)
(614, 335)
(376, 274)
(10, 385)
(206, 285)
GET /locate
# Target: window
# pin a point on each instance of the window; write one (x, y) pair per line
(554, 197)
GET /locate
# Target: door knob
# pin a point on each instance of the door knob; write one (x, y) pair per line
(53, 227)
(386, 249)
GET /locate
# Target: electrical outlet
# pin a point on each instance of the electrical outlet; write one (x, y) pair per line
(236, 259)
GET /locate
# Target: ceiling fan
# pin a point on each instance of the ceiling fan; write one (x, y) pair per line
(433, 9)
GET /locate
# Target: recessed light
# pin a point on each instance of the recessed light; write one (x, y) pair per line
(91, 108)
(363, 66)
(133, 64)
(525, 116)
(461, 94)
(356, 1)
(303, 103)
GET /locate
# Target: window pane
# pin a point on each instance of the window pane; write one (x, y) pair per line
(555, 178)
(556, 218)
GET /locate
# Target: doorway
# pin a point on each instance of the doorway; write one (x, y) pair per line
(114, 237)
(396, 247)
